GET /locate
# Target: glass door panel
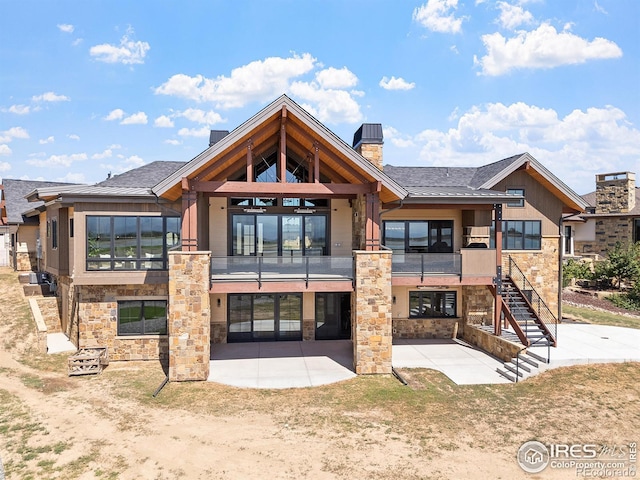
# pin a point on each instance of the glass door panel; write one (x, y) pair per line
(418, 237)
(244, 235)
(315, 235)
(394, 236)
(333, 316)
(264, 321)
(290, 317)
(441, 236)
(267, 235)
(291, 235)
(239, 318)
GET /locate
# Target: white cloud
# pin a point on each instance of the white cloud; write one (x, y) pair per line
(134, 161)
(108, 153)
(18, 109)
(72, 177)
(44, 141)
(5, 149)
(65, 27)
(116, 114)
(512, 16)
(437, 16)
(163, 122)
(50, 97)
(328, 106)
(575, 148)
(200, 116)
(336, 78)
(541, 48)
(194, 132)
(598, 8)
(73, 136)
(77, 42)
(139, 118)
(128, 52)
(58, 160)
(4, 166)
(14, 132)
(394, 83)
(172, 141)
(398, 139)
(260, 80)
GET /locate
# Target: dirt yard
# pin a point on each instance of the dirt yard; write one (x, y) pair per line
(109, 426)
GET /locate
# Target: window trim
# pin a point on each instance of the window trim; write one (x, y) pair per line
(132, 336)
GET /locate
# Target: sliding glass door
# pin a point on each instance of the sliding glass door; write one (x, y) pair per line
(264, 317)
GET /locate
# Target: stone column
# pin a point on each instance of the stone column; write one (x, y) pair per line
(371, 330)
(189, 316)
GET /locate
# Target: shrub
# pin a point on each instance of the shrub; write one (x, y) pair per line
(580, 270)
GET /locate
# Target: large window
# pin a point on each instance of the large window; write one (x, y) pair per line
(433, 236)
(275, 235)
(519, 235)
(636, 229)
(130, 243)
(142, 317)
(432, 304)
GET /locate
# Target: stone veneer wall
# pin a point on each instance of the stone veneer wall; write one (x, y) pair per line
(26, 261)
(477, 305)
(189, 316)
(412, 328)
(69, 308)
(541, 268)
(497, 346)
(98, 322)
(371, 326)
(616, 194)
(49, 308)
(372, 152)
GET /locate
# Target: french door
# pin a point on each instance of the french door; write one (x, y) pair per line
(279, 235)
(264, 317)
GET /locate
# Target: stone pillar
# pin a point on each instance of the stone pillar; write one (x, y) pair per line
(189, 316)
(371, 329)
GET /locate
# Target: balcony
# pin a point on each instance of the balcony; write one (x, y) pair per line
(470, 266)
(323, 271)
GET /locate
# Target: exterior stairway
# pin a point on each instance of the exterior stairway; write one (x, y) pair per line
(530, 321)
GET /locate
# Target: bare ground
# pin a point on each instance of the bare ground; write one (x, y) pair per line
(109, 426)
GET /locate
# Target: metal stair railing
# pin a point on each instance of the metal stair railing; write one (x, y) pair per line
(547, 320)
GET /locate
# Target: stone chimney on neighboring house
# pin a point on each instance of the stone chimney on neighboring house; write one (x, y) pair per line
(367, 141)
(216, 135)
(615, 192)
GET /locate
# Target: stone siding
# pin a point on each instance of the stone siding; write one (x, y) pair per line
(611, 230)
(50, 310)
(413, 328)
(372, 152)
(477, 305)
(189, 322)
(615, 192)
(69, 308)
(98, 322)
(371, 325)
(26, 262)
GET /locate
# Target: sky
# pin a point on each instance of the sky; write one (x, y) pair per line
(93, 87)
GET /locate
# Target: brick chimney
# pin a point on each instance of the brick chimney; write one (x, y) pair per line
(367, 141)
(615, 192)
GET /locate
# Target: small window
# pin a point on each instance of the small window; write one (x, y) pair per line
(432, 304)
(54, 233)
(142, 317)
(516, 203)
(71, 228)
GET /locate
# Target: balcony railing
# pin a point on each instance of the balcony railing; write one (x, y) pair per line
(265, 269)
(425, 264)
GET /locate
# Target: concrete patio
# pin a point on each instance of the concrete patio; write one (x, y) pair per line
(309, 364)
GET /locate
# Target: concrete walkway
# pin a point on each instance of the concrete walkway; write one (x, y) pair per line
(59, 343)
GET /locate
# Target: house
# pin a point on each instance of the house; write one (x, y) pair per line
(20, 231)
(613, 216)
(280, 230)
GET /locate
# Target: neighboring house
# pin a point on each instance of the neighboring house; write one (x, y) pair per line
(281, 231)
(20, 225)
(613, 216)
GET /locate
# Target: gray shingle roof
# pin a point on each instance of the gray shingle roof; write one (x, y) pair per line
(145, 176)
(15, 192)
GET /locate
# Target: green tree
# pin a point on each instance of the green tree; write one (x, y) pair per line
(622, 263)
